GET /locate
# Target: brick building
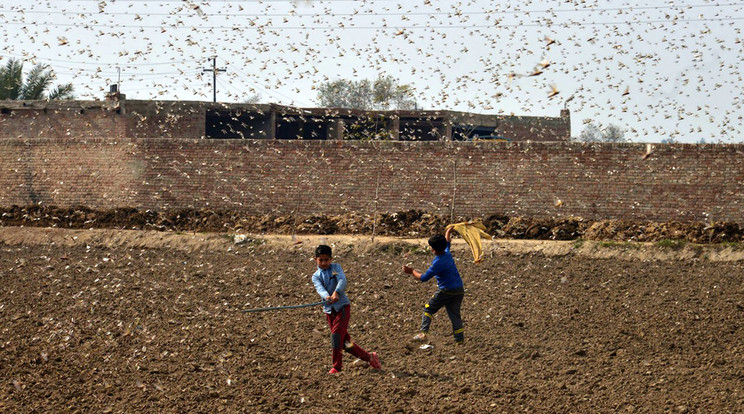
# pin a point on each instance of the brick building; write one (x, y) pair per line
(117, 117)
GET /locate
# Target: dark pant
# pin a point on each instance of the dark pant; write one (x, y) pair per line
(450, 300)
(340, 339)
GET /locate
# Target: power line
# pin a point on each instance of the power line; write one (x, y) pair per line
(148, 76)
(342, 26)
(78, 62)
(128, 75)
(229, 85)
(275, 94)
(219, 1)
(384, 14)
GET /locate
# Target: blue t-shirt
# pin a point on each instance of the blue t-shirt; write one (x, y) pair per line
(444, 269)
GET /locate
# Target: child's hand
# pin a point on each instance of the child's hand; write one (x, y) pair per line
(411, 271)
(333, 298)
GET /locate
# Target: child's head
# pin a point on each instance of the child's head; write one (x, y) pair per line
(323, 256)
(438, 243)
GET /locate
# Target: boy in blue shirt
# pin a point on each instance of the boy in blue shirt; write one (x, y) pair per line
(450, 289)
(330, 283)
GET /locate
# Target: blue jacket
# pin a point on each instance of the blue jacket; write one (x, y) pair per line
(444, 269)
(328, 281)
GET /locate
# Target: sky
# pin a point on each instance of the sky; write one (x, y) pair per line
(660, 70)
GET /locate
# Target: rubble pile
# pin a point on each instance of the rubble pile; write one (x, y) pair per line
(411, 223)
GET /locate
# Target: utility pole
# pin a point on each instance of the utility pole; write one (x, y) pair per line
(215, 70)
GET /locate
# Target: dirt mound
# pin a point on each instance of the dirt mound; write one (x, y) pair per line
(543, 229)
(410, 223)
(701, 233)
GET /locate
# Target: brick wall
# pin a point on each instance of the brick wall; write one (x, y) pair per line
(535, 128)
(92, 119)
(76, 122)
(165, 119)
(676, 182)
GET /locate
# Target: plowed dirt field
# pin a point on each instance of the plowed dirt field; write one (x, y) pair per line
(120, 321)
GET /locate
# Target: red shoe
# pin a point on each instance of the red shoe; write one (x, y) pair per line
(374, 361)
(333, 371)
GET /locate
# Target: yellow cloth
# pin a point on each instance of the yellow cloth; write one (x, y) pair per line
(471, 232)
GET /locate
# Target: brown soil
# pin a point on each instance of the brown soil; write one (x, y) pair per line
(144, 321)
(411, 223)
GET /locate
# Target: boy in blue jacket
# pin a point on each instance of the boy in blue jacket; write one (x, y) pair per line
(450, 289)
(330, 283)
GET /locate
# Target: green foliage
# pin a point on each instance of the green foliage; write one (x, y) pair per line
(578, 243)
(671, 244)
(394, 248)
(387, 94)
(35, 86)
(382, 94)
(733, 245)
(11, 80)
(421, 251)
(61, 92)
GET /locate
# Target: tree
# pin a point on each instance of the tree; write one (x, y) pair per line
(253, 99)
(346, 94)
(382, 94)
(387, 93)
(614, 133)
(593, 133)
(36, 85)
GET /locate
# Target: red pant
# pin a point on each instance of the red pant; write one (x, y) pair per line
(340, 340)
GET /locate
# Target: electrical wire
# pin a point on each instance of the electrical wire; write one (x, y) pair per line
(342, 26)
(392, 13)
(122, 65)
(271, 93)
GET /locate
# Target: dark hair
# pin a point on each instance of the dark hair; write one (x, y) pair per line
(438, 243)
(323, 249)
